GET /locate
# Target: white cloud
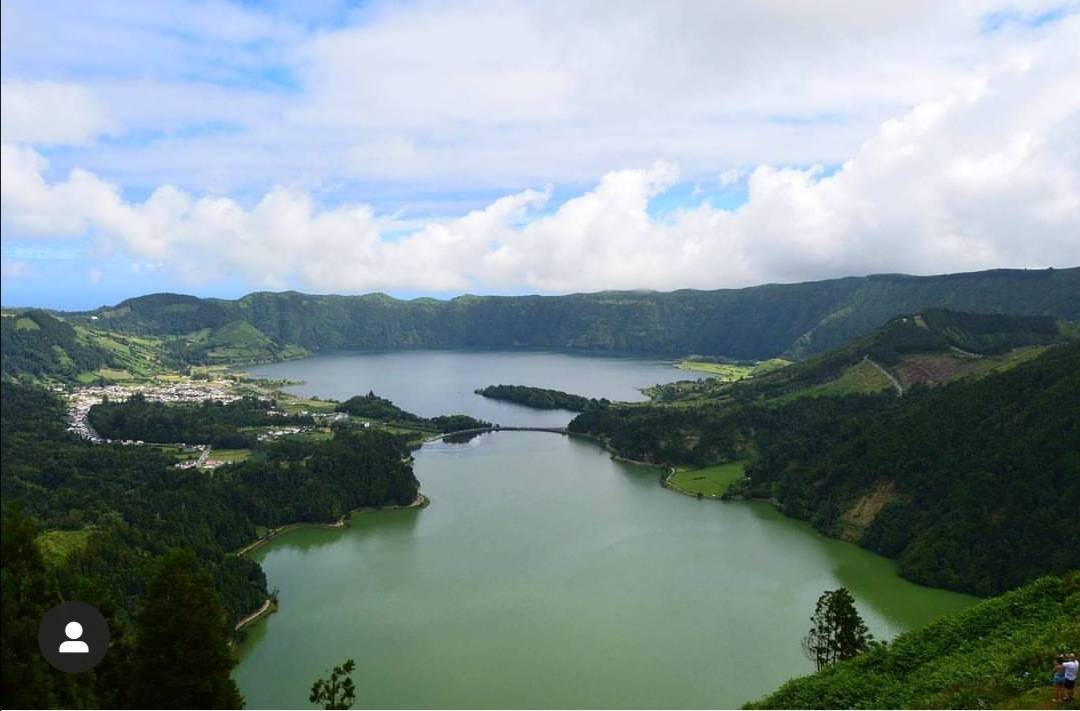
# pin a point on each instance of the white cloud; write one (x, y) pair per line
(986, 176)
(433, 96)
(50, 113)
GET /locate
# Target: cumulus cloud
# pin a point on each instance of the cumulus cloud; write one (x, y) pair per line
(986, 176)
(51, 113)
(432, 96)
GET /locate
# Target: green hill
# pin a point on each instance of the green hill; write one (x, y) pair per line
(931, 347)
(37, 345)
(235, 342)
(756, 323)
(996, 654)
(963, 483)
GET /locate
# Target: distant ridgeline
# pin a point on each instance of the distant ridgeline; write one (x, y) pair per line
(964, 483)
(754, 323)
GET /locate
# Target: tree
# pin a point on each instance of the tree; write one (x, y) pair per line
(27, 595)
(337, 692)
(183, 659)
(837, 631)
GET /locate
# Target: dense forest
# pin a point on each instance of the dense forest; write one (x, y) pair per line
(541, 398)
(174, 654)
(120, 493)
(214, 423)
(377, 408)
(129, 507)
(993, 655)
(757, 322)
(964, 484)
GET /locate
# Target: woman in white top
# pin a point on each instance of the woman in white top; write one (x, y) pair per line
(1070, 667)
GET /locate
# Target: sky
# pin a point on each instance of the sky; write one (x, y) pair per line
(432, 148)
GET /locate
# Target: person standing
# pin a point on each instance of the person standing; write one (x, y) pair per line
(1070, 667)
(1058, 679)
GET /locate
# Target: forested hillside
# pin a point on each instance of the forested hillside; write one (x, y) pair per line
(756, 322)
(36, 344)
(993, 655)
(963, 483)
(931, 346)
(119, 497)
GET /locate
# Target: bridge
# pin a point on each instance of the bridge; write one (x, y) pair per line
(497, 428)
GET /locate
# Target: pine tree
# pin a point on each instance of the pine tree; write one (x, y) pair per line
(837, 632)
(338, 691)
(183, 658)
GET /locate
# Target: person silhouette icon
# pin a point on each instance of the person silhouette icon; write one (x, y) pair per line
(74, 645)
(73, 637)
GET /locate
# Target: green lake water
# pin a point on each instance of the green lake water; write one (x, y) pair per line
(546, 574)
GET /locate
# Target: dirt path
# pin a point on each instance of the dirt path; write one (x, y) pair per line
(248, 619)
(886, 373)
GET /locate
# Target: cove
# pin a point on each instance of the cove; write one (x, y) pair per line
(544, 573)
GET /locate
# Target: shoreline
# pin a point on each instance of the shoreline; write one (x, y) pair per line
(419, 502)
(246, 620)
(603, 442)
(668, 484)
(270, 605)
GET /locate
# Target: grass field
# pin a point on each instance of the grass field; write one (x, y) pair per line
(709, 481)
(179, 454)
(768, 366)
(293, 405)
(860, 378)
(56, 546)
(727, 372)
(230, 455)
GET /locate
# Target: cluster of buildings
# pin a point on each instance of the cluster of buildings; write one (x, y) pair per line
(201, 461)
(82, 399)
(281, 432)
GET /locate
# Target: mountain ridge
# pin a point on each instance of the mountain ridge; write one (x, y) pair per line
(753, 322)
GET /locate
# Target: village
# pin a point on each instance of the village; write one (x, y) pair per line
(198, 455)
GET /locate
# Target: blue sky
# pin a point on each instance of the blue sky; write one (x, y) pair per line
(431, 148)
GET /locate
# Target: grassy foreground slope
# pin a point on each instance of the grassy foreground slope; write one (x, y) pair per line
(756, 323)
(996, 654)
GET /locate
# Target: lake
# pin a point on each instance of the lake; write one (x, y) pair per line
(544, 573)
(430, 383)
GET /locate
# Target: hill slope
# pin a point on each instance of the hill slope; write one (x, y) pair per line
(994, 655)
(756, 322)
(37, 345)
(964, 483)
(930, 347)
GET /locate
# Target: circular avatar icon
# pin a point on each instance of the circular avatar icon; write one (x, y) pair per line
(73, 637)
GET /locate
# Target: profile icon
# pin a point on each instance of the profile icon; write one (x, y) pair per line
(73, 645)
(73, 637)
